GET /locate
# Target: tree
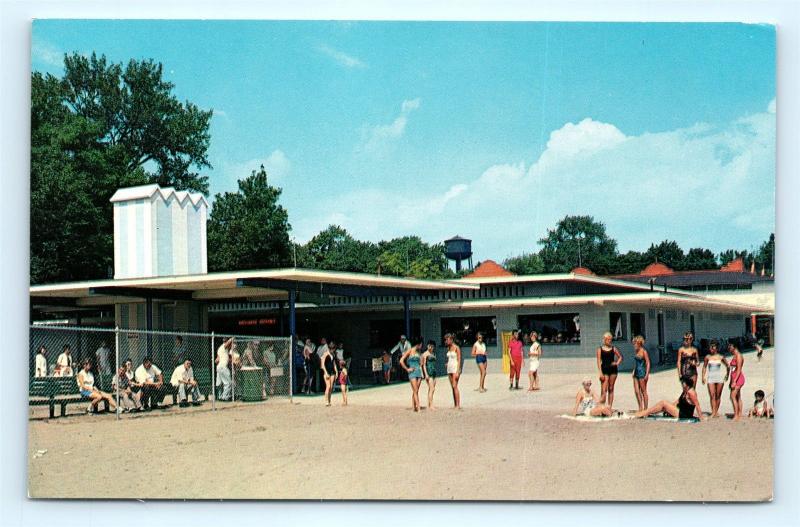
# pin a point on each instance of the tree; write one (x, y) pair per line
(726, 257)
(248, 229)
(698, 259)
(529, 263)
(99, 128)
(766, 255)
(632, 262)
(334, 249)
(668, 253)
(410, 256)
(577, 240)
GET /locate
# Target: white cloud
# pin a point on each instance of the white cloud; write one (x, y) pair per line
(46, 53)
(341, 58)
(772, 107)
(375, 137)
(703, 186)
(277, 165)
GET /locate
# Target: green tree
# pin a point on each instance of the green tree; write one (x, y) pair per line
(765, 257)
(410, 256)
(577, 240)
(667, 252)
(249, 229)
(632, 262)
(96, 129)
(726, 257)
(698, 259)
(334, 249)
(529, 263)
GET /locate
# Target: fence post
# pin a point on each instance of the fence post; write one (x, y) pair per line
(291, 367)
(116, 365)
(232, 366)
(213, 376)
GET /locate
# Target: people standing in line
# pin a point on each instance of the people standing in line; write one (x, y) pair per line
(40, 363)
(687, 406)
(641, 372)
(688, 358)
(328, 367)
(308, 365)
(534, 355)
(87, 388)
(222, 362)
(343, 380)
(410, 362)
(428, 365)
(760, 406)
(737, 380)
(479, 352)
(608, 361)
(586, 402)
(64, 363)
(712, 375)
(399, 349)
(515, 357)
(453, 367)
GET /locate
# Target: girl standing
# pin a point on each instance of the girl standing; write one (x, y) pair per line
(737, 380)
(428, 365)
(343, 381)
(453, 367)
(712, 375)
(641, 371)
(608, 361)
(534, 354)
(688, 358)
(515, 356)
(410, 361)
(479, 352)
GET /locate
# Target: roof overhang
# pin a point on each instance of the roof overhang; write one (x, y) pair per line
(562, 277)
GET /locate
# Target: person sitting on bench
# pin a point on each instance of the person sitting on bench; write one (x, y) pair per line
(183, 379)
(86, 385)
(150, 377)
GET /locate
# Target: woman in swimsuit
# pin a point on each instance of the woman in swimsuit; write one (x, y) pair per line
(686, 407)
(410, 361)
(453, 367)
(712, 375)
(641, 371)
(737, 380)
(534, 353)
(586, 402)
(688, 358)
(428, 365)
(515, 357)
(608, 360)
(479, 352)
(328, 365)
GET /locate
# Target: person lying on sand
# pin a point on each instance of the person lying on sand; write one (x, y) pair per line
(686, 407)
(586, 402)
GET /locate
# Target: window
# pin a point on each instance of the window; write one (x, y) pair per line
(466, 329)
(563, 328)
(384, 334)
(617, 325)
(637, 324)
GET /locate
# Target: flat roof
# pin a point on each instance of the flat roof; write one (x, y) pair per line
(217, 286)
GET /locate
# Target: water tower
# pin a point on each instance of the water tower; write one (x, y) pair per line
(458, 248)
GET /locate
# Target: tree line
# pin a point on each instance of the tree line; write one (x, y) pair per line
(102, 126)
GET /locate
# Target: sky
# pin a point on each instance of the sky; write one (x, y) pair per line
(491, 131)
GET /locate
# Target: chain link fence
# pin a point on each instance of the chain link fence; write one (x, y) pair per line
(79, 369)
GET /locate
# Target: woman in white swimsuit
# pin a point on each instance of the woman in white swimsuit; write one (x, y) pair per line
(453, 367)
(534, 354)
(586, 402)
(712, 375)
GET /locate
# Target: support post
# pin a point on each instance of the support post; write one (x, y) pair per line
(149, 316)
(407, 315)
(280, 318)
(292, 332)
(213, 376)
(116, 365)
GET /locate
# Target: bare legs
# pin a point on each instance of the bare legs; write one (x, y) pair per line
(530, 381)
(660, 407)
(736, 399)
(607, 389)
(482, 384)
(456, 393)
(344, 394)
(640, 390)
(415, 393)
(431, 388)
(328, 389)
(715, 394)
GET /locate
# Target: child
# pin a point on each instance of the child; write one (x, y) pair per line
(760, 406)
(343, 382)
(387, 366)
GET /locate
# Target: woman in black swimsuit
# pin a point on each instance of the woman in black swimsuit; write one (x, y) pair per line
(329, 370)
(688, 358)
(608, 360)
(686, 407)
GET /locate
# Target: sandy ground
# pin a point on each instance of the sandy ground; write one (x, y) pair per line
(502, 446)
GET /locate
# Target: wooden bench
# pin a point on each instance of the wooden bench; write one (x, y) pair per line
(50, 391)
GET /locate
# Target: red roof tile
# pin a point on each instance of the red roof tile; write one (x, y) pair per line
(489, 269)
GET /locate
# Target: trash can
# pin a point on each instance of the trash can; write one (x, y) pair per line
(250, 381)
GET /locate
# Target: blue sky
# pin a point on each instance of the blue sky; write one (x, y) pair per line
(493, 131)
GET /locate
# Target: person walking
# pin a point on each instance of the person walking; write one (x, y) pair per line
(608, 361)
(428, 365)
(453, 367)
(534, 354)
(410, 362)
(712, 375)
(479, 352)
(641, 372)
(515, 356)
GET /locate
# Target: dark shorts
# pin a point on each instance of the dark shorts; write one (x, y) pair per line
(609, 370)
(480, 359)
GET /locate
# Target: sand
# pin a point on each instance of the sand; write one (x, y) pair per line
(502, 446)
